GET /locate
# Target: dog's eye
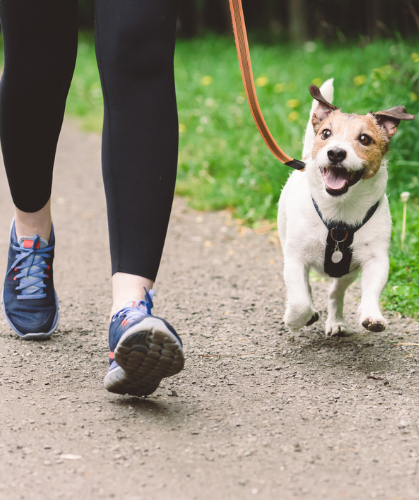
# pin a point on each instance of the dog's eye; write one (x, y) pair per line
(326, 134)
(365, 140)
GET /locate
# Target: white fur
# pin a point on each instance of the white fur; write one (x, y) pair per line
(303, 236)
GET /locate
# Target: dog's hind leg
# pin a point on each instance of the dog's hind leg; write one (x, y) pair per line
(336, 324)
(300, 309)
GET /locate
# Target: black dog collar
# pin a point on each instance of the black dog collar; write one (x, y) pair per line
(338, 254)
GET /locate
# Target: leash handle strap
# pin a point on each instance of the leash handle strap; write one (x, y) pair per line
(242, 44)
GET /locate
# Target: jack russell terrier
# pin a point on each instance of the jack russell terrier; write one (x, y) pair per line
(334, 217)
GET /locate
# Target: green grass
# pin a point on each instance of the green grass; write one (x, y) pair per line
(223, 160)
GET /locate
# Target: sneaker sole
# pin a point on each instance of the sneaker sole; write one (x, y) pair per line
(33, 336)
(146, 353)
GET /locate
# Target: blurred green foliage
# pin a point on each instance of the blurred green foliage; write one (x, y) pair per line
(402, 291)
(85, 97)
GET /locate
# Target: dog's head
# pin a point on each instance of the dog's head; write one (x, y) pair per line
(350, 147)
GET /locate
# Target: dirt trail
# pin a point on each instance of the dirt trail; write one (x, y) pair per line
(257, 413)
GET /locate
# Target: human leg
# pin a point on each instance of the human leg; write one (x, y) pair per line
(135, 47)
(40, 45)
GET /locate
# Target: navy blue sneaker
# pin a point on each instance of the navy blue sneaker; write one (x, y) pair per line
(29, 300)
(144, 350)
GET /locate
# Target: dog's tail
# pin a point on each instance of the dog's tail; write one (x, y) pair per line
(327, 92)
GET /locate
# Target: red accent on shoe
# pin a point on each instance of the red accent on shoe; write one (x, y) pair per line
(29, 244)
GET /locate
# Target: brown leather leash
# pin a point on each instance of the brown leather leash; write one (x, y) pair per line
(242, 45)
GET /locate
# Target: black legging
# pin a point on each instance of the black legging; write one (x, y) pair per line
(135, 42)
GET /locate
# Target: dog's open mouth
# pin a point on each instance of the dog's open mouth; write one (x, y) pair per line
(338, 179)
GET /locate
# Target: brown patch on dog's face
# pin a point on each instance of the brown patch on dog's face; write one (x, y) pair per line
(351, 147)
(368, 141)
(361, 132)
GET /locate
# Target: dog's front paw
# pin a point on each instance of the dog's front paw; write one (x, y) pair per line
(297, 317)
(336, 328)
(378, 324)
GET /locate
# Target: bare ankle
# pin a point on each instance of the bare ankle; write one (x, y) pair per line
(126, 287)
(32, 223)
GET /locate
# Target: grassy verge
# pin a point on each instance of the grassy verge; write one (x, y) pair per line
(224, 162)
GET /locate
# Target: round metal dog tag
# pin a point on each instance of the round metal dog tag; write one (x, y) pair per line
(337, 256)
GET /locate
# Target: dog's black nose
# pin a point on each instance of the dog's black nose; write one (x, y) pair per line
(336, 155)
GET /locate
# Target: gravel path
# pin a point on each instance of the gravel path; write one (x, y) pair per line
(257, 413)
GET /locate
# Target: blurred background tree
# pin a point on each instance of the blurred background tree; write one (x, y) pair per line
(298, 20)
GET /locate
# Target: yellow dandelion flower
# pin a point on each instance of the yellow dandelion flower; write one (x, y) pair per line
(317, 82)
(262, 81)
(206, 80)
(415, 57)
(182, 128)
(279, 87)
(294, 115)
(360, 80)
(413, 97)
(293, 103)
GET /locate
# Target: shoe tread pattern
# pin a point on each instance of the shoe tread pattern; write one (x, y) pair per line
(145, 358)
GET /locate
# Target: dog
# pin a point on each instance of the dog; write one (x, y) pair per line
(334, 216)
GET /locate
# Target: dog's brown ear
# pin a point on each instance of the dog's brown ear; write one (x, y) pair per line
(389, 119)
(324, 107)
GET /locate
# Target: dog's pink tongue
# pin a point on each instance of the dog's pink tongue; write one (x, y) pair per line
(336, 178)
